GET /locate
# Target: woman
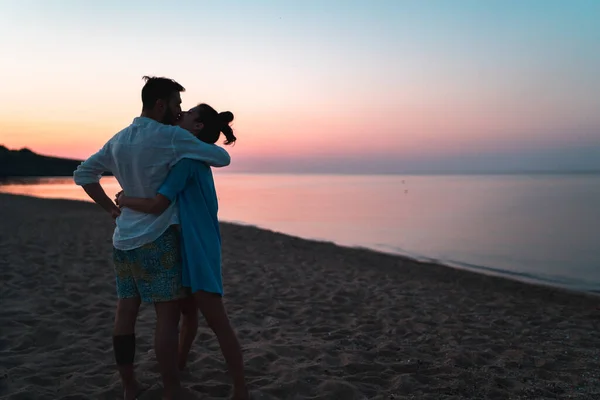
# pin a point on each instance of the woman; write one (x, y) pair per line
(192, 184)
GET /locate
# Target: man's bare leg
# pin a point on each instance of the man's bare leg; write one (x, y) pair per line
(166, 340)
(189, 329)
(211, 307)
(124, 344)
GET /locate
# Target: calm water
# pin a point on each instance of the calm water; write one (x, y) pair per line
(541, 228)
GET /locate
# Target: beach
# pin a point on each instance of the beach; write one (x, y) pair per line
(316, 321)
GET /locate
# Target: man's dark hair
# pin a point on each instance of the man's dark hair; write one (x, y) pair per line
(158, 88)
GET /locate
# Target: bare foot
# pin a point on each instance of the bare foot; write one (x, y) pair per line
(243, 394)
(132, 391)
(182, 363)
(182, 394)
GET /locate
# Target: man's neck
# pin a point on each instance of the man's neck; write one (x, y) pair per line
(149, 114)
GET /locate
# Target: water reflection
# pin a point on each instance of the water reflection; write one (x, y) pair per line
(543, 226)
(54, 187)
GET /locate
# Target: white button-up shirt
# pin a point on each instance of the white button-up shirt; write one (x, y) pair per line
(140, 157)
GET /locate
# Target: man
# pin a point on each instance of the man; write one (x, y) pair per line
(146, 247)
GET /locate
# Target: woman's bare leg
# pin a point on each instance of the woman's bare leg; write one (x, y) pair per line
(211, 307)
(189, 329)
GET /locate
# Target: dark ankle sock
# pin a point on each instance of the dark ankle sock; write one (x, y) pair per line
(124, 349)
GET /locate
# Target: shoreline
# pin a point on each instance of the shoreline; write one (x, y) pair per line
(523, 278)
(460, 256)
(316, 320)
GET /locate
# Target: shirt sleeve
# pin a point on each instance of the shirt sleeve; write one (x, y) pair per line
(91, 170)
(186, 145)
(176, 180)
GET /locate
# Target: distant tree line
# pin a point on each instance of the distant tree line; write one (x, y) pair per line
(24, 162)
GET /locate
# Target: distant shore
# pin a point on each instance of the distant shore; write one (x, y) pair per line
(24, 163)
(316, 320)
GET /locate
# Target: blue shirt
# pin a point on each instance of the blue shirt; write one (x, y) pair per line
(190, 183)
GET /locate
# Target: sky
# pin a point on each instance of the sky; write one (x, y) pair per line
(317, 86)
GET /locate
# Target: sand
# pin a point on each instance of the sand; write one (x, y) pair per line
(316, 321)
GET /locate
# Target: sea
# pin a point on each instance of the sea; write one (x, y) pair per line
(540, 228)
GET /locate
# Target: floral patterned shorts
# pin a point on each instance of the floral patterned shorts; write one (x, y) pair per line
(152, 271)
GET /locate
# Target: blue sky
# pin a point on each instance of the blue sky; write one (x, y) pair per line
(333, 85)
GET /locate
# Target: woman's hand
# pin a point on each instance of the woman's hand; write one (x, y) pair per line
(115, 213)
(118, 198)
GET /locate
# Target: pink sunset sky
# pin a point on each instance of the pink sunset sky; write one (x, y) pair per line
(382, 86)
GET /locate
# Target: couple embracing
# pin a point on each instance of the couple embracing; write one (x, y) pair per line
(166, 243)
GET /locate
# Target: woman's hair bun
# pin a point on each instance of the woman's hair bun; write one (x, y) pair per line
(226, 117)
